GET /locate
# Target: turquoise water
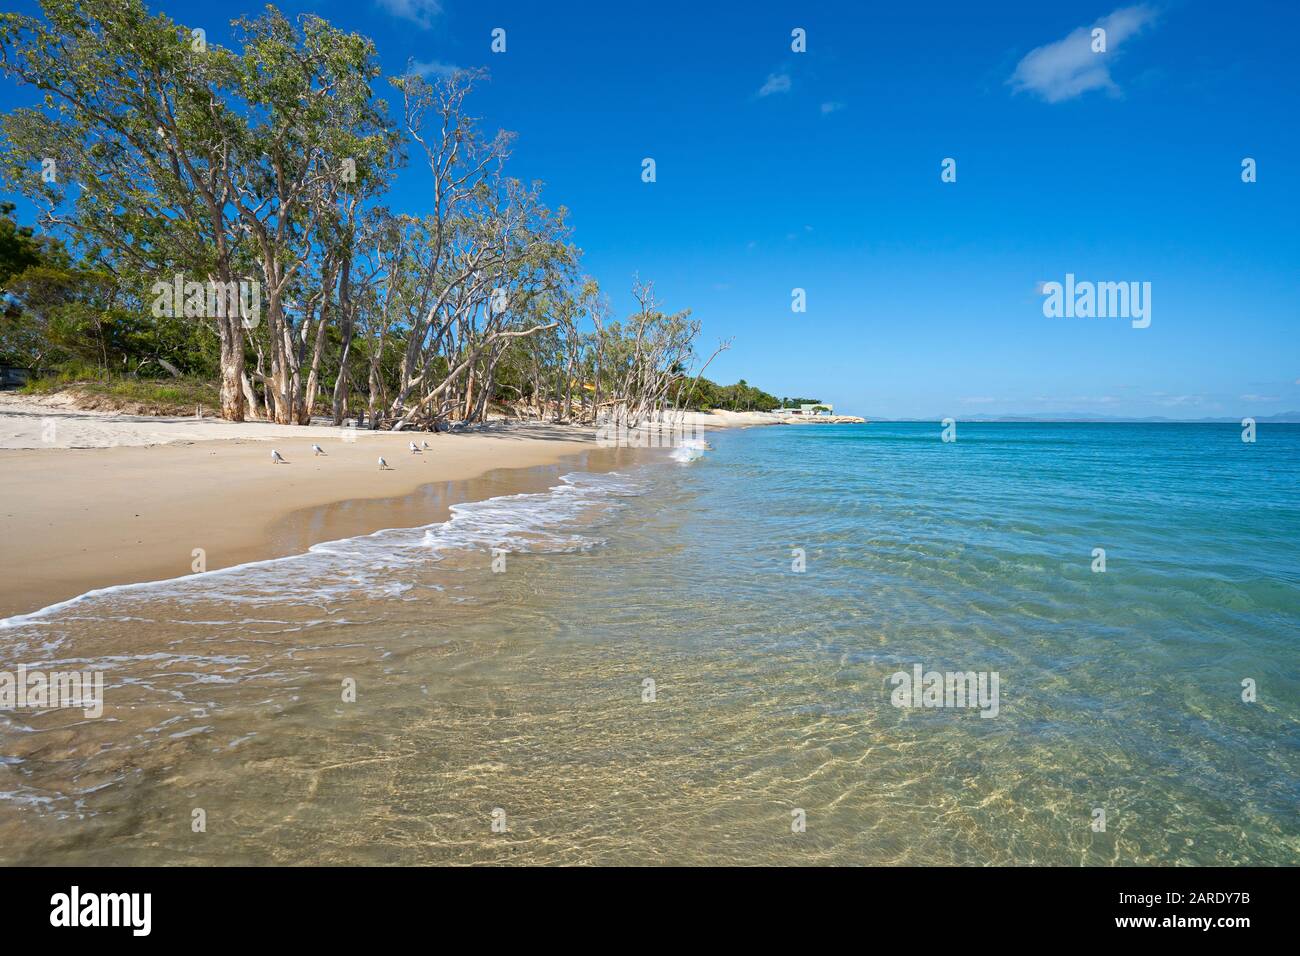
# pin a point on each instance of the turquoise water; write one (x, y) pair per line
(525, 691)
(1120, 690)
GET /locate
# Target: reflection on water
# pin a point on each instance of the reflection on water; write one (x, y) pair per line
(525, 691)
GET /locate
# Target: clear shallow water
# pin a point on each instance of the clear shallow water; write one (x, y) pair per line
(523, 690)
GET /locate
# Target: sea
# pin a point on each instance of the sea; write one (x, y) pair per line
(1034, 644)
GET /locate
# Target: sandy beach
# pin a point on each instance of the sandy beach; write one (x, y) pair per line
(94, 498)
(116, 499)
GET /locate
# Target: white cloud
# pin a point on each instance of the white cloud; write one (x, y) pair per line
(421, 12)
(430, 69)
(978, 400)
(776, 83)
(1260, 398)
(831, 107)
(1069, 68)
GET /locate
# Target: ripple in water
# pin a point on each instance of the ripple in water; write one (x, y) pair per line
(527, 691)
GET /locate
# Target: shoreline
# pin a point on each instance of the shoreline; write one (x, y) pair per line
(83, 519)
(96, 500)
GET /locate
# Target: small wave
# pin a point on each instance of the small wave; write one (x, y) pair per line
(691, 450)
(377, 565)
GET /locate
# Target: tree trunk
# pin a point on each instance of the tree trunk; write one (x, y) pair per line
(341, 384)
(232, 369)
(372, 404)
(318, 349)
(250, 396)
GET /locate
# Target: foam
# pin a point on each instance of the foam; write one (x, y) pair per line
(379, 564)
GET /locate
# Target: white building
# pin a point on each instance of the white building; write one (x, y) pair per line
(821, 408)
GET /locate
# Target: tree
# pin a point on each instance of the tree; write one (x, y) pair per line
(314, 148)
(490, 248)
(169, 165)
(137, 134)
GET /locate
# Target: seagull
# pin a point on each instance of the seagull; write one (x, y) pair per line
(277, 458)
(415, 449)
(425, 444)
(318, 450)
(383, 465)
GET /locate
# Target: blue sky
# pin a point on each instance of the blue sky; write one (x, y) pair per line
(821, 170)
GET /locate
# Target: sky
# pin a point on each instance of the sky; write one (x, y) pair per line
(821, 170)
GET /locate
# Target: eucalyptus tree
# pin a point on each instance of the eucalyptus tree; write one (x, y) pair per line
(128, 152)
(647, 355)
(316, 145)
(598, 310)
(490, 247)
(160, 155)
(451, 262)
(174, 156)
(390, 299)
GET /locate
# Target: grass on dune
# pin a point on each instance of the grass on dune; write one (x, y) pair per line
(162, 396)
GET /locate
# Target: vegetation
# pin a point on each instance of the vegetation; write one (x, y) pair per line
(741, 397)
(176, 396)
(213, 215)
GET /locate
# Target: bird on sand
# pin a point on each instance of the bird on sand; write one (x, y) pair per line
(383, 465)
(415, 449)
(318, 450)
(277, 458)
(424, 444)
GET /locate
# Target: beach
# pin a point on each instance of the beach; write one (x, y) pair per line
(114, 499)
(95, 499)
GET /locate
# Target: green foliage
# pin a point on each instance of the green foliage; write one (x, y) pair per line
(269, 161)
(172, 395)
(70, 372)
(741, 397)
(61, 314)
(19, 248)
